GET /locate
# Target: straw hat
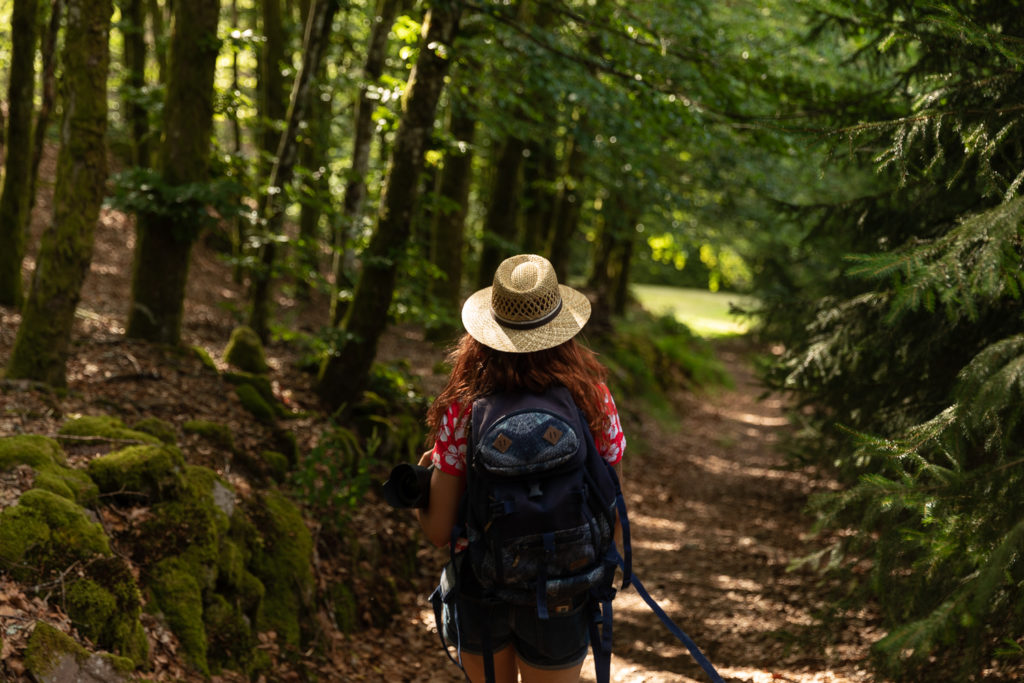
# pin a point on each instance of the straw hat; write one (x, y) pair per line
(525, 309)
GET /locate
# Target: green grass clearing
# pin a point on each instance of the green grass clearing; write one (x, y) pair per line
(704, 312)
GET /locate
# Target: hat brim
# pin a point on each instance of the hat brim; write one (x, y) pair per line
(481, 325)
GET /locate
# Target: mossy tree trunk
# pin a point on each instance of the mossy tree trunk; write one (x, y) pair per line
(567, 209)
(540, 174)
(272, 207)
(41, 346)
(133, 20)
(343, 376)
(449, 229)
(48, 55)
(14, 200)
(164, 243)
(362, 141)
(502, 222)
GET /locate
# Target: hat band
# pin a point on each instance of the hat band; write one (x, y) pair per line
(529, 324)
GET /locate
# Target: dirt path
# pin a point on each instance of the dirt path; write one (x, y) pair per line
(716, 519)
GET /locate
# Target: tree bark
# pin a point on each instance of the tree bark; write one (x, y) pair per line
(355, 187)
(540, 171)
(272, 97)
(567, 212)
(41, 346)
(272, 204)
(448, 234)
(133, 29)
(502, 222)
(165, 244)
(14, 200)
(343, 376)
(48, 54)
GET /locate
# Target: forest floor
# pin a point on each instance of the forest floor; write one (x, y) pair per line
(716, 512)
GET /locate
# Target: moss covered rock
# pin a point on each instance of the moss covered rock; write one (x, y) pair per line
(177, 594)
(52, 656)
(106, 427)
(276, 464)
(152, 471)
(30, 449)
(204, 357)
(68, 482)
(245, 351)
(46, 532)
(217, 434)
(154, 426)
(105, 605)
(46, 457)
(281, 560)
(256, 404)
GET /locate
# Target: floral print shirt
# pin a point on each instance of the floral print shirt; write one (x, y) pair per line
(450, 447)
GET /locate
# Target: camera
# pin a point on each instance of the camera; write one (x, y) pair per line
(408, 486)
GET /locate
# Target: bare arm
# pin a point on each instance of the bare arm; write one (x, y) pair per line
(445, 492)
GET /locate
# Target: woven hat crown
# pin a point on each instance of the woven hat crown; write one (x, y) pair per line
(525, 291)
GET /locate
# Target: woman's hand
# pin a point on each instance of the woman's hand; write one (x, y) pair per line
(426, 459)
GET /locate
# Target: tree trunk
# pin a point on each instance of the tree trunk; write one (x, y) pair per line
(540, 172)
(315, 189)
(133, 28)
(567, 211)
(448, 235)
(14, 200)
(502, 221)
(48, 54)
(272, 96)
(157, 19)
(343, 376)
(272, 203)
(165, 244)
(41, 346)
(355, 187)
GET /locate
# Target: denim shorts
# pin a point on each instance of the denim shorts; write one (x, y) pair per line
(558, 642)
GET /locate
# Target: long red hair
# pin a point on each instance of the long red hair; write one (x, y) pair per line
(479, 370)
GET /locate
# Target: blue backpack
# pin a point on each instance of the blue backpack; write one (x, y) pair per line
(539, 515)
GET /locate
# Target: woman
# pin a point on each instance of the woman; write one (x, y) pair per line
(519, 337)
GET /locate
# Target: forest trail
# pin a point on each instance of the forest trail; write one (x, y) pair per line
(716, 519)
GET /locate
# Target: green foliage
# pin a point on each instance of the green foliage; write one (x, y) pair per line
(189, 207)
(910, 357)
(650, 356)
(332, 478)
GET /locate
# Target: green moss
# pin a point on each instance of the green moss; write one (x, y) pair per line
(105, 607)
(46, 647)
(189, 528)
(231, 641)
(30, 449)
(44, 532)
(161, 429)
(204, 357)
(217, 434)
(104, 426)
(255, 404)
(345, 607)
(281, 561)
(68, 482)
(245, 351)
(177, 594)
(286, 443)
(155, 472)
(262, 385)
(277, 464)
